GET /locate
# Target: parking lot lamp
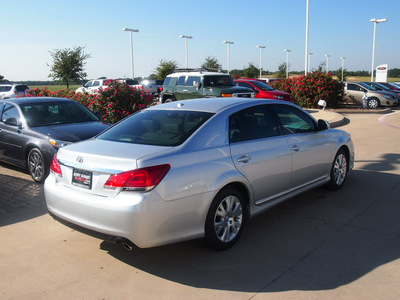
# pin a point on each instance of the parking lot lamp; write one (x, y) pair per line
(309, 61)
(327, 62)
(229, 54)
(287, 62)
(261, 47)
(376, 21)
(342, 58)
(186, 37)
(131, 30)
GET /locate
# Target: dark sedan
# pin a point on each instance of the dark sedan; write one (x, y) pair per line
(33, 129)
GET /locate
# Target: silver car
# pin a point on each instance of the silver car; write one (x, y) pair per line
(193, 169)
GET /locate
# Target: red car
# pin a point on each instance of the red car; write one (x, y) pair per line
(264, 90)
(391, 86)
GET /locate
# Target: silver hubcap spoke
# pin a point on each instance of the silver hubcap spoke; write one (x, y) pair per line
(35, 165)
(340, 169)
(228, 219)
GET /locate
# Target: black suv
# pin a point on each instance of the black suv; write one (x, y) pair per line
(199, 83)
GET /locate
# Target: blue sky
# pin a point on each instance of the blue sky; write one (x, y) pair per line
(30, 29)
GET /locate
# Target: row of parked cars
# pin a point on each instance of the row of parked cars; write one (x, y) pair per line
(372, 94)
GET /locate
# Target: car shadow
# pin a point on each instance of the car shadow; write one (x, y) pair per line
(20, 198)
(316, 241)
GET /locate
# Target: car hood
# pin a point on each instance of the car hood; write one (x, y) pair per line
(106, 156)
(74, 132)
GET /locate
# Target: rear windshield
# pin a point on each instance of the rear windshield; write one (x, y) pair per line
(44, 114)
(21, 88)
(157, 127)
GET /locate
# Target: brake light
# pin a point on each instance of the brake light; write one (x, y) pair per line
(143, 179)
(55, 166)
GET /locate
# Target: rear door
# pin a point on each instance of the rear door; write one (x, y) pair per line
(260, 153)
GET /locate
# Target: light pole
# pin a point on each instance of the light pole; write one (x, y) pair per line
(186, 37)
(309, 62)
(130, 31)
(327, 62)
(229, 54)
(376, 21)
(342, 58)
(287, 62)
(261, 47)
(306, 68)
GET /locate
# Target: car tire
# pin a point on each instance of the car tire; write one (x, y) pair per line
(373, 103)
(36, 165)
(225, 219)
(339, 170)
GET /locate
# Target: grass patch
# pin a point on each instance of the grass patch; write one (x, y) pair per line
(55, 88)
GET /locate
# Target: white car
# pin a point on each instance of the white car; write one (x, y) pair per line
(8, 91)
(92, 86)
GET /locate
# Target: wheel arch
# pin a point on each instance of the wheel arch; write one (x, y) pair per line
(243, 190)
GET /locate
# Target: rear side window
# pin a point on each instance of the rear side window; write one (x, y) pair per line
(5, 88)
(157, 127)
(252, 123)
(181, 80)
(192, 79)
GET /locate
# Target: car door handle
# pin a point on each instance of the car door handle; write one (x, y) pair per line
(296, 148)
(244, 158)
(184, 90)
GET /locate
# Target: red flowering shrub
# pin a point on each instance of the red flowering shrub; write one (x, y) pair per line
(118, 101)
(114, 103)
(308, 89)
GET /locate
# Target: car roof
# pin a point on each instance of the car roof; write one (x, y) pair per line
(28, 100)
(197, 74)
(213, 105)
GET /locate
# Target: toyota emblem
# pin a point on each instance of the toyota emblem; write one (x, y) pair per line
(79, 159)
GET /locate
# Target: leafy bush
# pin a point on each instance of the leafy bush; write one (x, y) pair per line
(114, 103)
(309, 89)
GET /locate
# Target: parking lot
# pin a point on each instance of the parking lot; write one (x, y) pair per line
(320, 245)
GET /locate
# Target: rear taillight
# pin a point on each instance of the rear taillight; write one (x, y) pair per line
(143, 179)
(55, 166)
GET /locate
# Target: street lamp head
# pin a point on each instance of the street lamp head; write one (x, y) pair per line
(228, 42)
(261, 47)
(327, 55)
(129, 29)
(185, 36)
(287, 50)
(379, 20)
(342, 57)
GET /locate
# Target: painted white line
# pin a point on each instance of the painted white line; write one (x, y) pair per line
(382, 120)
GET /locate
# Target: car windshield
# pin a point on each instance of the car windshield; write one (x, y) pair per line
(218, 80)
(368, 86)
(54, 113)
(262, 86)
(5, 88)
(157, 127)
(132, 82)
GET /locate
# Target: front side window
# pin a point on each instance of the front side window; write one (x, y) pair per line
(192, 79)
(10, 111)
(5, 88)
(294, 120)
(157, 127)
(252, 123)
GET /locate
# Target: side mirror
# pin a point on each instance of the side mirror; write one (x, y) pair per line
(323, 125)
(11, 122)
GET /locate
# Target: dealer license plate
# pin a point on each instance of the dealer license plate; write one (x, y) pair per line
(82, 178)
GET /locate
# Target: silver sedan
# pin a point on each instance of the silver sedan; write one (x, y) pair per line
(192, 169)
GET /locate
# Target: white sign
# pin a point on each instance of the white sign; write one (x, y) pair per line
(381, 73)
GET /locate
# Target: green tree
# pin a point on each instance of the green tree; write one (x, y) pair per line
(165, 68)
(211, 63)
(281, 71)
(68, 65)
(251, 71)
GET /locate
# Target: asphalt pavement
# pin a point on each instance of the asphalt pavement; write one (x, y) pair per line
(320, 245)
